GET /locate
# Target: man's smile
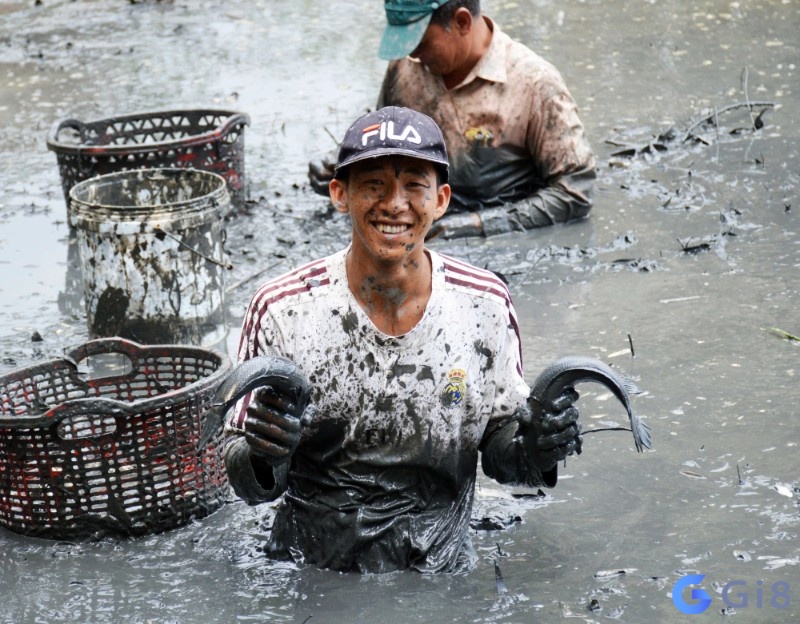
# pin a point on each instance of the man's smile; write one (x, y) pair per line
(387, 228)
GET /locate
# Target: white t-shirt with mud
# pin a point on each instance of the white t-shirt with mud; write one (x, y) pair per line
(384, 476)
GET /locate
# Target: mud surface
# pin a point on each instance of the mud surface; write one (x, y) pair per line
(691, 256)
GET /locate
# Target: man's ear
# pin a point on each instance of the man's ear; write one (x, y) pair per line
(443, 194)
(337, 191)
(462, 19)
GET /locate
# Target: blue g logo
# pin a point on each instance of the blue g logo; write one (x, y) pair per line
(700, 595)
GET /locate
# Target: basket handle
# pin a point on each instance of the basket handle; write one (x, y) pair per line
(58, 126)
(103, 346)
(237, 119)
(98, 407)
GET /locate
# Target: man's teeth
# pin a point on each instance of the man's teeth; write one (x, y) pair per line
(391, 229)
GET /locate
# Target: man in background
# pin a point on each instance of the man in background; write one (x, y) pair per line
(519, 157)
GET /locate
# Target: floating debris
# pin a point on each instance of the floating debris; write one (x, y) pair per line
(773, 563)
(783, 490)
(499, 582)
(604, 575)
(783, 334)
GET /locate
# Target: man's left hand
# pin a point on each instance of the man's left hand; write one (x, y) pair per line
(550, 437)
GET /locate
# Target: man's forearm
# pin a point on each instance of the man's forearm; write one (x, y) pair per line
(253, 482)
(506, 460)
(570, 198)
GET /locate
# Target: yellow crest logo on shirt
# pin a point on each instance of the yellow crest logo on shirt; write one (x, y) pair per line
(479, 136)
(456, 387)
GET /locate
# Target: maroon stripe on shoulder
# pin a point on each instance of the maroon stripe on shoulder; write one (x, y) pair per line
(287, 285)
(480, 275)
(486, 282)
(486, 287)
(284, 286)
(298, 276)
(283, 294)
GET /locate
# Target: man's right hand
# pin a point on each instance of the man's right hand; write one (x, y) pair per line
(271, 429)
(320, 171)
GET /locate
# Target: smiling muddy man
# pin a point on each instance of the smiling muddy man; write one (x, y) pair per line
(414, 366)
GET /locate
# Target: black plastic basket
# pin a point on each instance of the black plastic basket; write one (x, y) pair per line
(116, 454)
(205, 139)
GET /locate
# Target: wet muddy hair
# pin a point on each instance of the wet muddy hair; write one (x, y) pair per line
(444, 14)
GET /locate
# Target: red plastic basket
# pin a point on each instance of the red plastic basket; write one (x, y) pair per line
(205, 139)
(115, 454)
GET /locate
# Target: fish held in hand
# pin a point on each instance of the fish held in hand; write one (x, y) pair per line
(281, 374)
(569, 371)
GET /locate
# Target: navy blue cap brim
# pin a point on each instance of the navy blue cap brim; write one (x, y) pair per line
(392, 151)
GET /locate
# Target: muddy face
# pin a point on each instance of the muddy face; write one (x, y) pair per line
(392, 202)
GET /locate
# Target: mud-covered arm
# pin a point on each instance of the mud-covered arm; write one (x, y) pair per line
(567, 198)
(506, 459)
(250, 474)
(561, 155)
(253, 480)
(526, 450)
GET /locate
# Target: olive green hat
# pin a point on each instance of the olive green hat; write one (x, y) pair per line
(407, 21)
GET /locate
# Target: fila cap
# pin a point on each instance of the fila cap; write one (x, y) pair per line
(393, 131)
(407, 21)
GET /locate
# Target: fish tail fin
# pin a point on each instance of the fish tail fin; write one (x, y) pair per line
(629, 384)
(641, 434)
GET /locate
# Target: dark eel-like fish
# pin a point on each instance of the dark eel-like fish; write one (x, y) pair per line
(568, 371)
(265, 370)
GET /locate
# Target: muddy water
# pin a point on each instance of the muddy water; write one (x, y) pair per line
(691, 256)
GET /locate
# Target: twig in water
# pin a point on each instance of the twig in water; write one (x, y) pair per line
(529, 271)
(241, 282)
(630, 341)
(717, 112)
(498, 579)
(783, 334)
(745, 75)
(739, 472)
(331, 135)
(692, 249)
(605, 429)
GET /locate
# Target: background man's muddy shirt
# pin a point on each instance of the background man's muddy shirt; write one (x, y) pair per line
(384, 476)
(512, 132)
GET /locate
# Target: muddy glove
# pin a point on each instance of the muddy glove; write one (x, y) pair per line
(271, 430)
(320, 171)
(549, 437)
(456, 225)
